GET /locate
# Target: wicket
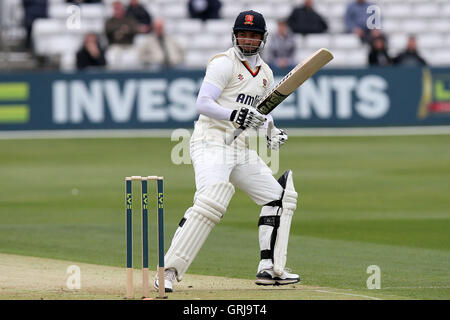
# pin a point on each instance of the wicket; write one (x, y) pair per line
(144, 233)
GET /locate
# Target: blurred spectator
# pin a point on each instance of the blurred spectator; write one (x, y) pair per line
(281, 49)
(356, 19)
(378, 55)
(304, 19)
(83, 1)
(91, 54)
(120, 31)
(204, 9)
(142, 16)
(410, 57)
(33, 9)
(160, 49)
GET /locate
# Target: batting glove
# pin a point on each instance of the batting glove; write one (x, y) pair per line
(247, 117)
(275, 137)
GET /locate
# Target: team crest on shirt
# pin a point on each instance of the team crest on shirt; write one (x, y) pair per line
(249, 19)
(240, 76)
(264, 83)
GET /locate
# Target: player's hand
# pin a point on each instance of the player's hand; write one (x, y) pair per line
(247, 117)
(275, 137)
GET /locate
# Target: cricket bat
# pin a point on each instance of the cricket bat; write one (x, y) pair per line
(290, 82)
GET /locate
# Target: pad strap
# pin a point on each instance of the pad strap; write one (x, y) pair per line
(272, 221)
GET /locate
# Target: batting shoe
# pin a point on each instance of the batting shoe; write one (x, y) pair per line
(268, 278)
(169, 279)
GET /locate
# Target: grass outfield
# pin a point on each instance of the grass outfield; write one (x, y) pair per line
(363, 201)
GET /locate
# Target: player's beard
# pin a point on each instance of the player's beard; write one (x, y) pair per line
(248, 50)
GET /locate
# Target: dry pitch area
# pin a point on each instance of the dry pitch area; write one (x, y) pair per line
(31, 278)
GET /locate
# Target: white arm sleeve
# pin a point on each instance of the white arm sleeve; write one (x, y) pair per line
(218, 73)
(206, 102)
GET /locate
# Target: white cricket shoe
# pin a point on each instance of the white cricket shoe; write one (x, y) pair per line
(169, 279)
(268, 278)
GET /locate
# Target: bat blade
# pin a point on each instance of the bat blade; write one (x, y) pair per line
(290, 82)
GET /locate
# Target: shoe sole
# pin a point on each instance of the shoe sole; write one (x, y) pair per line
(166, 289)
(275, 282)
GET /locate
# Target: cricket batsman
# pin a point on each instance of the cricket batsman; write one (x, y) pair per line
(233, 81)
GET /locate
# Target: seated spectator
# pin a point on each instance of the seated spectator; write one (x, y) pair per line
(281, 50)
(304, 19)
(33, 9)
(356, 17)
(120, 31)
(410, 57)
(91, 54)
(378, 55)
(204, 9)
(142, 16)
(160, 50)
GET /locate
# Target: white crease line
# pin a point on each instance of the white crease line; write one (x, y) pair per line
(166, 133)
(431, 287)
(349, 294)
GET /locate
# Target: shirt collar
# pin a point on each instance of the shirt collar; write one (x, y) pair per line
(243, 58)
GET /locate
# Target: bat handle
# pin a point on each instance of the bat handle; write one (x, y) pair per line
(236, 134)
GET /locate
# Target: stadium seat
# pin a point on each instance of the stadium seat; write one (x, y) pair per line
(445, 10)
(187, 26)
(336, 25)
(426, 10)
(441, 25)
(196, 59)
(317, 40)
(358, 58)
(441, 58)
(337, 10)
(414, 25)
(266, 7)
(303, 53)
(47, 26)
(281, 10)
(203, 41)
(174, 10)
(298, 38)
(92, 11)
(346, 41)
(231, 11)
(218, 26)
(396, 10)
(430, 40)
(68, 61)
(397, 41)
(58, 11)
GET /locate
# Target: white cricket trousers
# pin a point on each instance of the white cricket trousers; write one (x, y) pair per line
(215, 162)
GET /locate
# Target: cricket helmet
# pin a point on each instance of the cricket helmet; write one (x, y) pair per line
(250, 21)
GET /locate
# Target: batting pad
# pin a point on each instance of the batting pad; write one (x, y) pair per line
(208, 209)
(289, 204)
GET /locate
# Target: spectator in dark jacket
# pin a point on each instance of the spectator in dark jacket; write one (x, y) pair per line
(33, 9)
(306, 20)
(378, 55)
(142, 16)
(204, 9)
(91, 54)
(410, 57)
